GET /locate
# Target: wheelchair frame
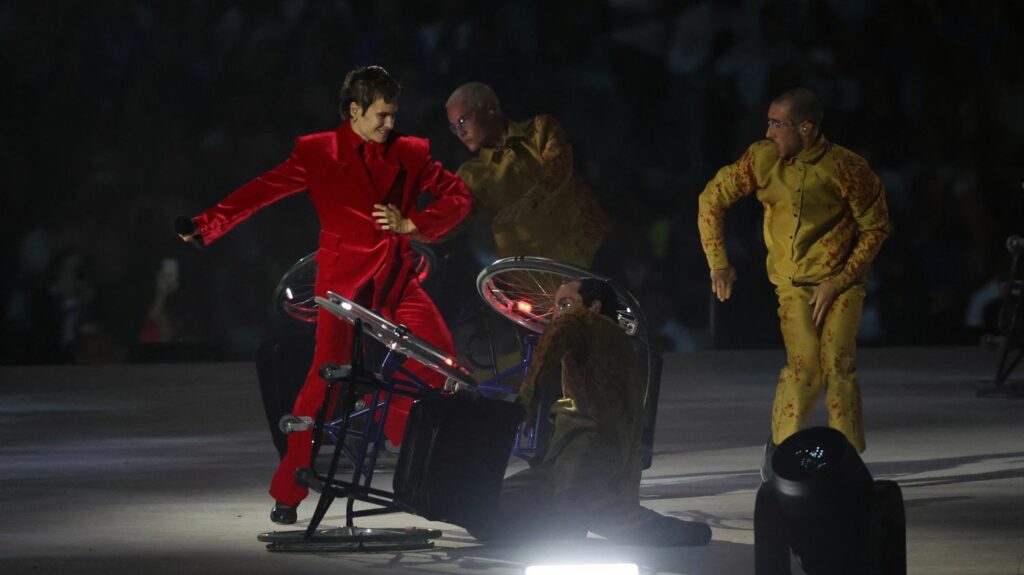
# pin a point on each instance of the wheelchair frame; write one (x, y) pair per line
(401, 343)
(1009, 339)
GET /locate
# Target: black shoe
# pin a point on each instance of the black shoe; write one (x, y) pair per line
(767, 473)
(284, 514)
(667, 531)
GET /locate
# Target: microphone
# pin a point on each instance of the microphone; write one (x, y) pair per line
(1015, 244)
(183, 226)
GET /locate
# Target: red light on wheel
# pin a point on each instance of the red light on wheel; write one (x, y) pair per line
(524, 306)
(422, 270)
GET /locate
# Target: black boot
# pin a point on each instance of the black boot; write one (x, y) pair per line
(673, 532)
(284, 514)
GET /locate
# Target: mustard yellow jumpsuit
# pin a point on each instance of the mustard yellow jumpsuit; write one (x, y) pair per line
(536, 162)
(825, 218)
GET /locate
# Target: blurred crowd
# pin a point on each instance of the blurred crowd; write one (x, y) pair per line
(121, 115)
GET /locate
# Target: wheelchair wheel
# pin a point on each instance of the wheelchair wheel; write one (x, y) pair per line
(522, 289)
(293, 296)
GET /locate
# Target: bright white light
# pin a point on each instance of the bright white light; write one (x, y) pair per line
(346, 306)
(288, 293)
(593, 569)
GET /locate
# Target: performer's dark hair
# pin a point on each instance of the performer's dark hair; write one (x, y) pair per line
(594, 289)
(804, 104)
(364, 86)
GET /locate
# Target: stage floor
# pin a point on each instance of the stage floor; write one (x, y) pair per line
(164, 468)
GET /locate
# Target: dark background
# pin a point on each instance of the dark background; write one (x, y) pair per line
(118, 116)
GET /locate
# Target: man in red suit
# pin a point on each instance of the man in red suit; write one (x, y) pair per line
(364, 179)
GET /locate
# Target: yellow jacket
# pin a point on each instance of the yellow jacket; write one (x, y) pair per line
(566, 222)
(825, 215)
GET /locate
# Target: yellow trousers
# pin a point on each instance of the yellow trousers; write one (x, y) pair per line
(817, 359)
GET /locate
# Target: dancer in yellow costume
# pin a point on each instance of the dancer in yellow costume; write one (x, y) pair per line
(523, 175)
(825, 218)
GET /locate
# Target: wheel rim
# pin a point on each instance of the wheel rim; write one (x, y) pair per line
(294, 296)
(523, 290)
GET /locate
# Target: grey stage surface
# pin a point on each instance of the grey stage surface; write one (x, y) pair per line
(164, 469)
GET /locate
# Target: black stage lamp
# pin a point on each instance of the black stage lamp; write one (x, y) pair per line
(824, 506)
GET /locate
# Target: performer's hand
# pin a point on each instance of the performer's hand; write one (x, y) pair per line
(391, 219)
(186, 230)
(515, 211)
(822, 299)
(721, 282)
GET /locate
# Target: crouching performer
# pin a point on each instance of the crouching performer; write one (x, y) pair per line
(589, 479)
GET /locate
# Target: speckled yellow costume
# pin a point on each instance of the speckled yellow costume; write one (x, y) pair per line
(536, 162)
(825, 218)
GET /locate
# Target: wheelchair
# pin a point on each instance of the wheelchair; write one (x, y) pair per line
(1009, 336)
(466, 420)
(1011, 315)
(522, 289)
(446, 427)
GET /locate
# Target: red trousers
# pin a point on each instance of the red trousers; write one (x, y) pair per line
(334, 345)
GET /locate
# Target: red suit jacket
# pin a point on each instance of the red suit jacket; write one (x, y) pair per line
(353, 248)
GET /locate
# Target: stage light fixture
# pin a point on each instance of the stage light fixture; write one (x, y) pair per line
(824, 507)
(585, 569)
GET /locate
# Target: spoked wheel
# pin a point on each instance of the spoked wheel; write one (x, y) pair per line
(523, 288)
(294, 295)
